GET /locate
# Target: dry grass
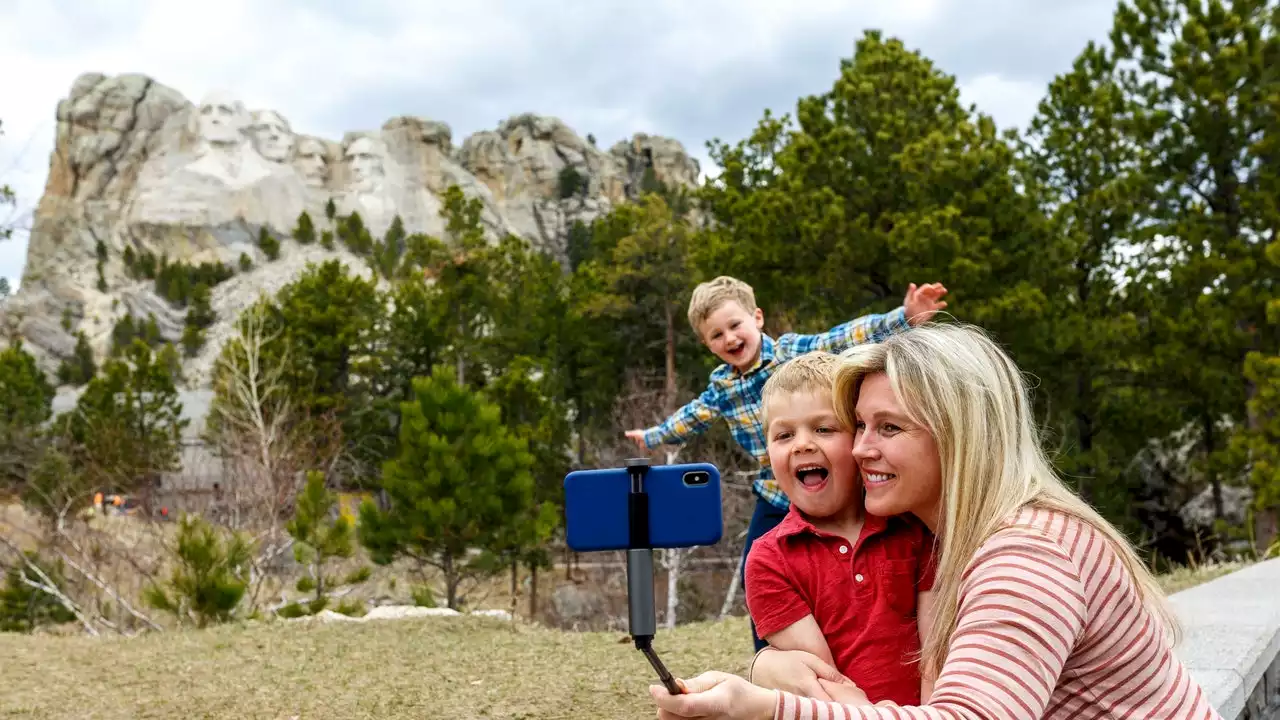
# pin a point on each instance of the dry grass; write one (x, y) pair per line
(420, 668)
(1187, 577)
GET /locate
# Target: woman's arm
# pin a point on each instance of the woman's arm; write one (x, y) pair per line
(798, 672)
(1022, 610)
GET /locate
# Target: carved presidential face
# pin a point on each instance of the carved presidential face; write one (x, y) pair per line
(312, 162)
(365, 159)
(220, 119)
(272, 136)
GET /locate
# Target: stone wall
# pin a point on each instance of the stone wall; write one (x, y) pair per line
(1231, 640)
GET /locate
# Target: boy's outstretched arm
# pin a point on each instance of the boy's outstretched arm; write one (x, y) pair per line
(692, 419)
(920, 305)
(923, 302)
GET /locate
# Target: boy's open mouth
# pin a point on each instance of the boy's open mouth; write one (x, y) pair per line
(812, 477)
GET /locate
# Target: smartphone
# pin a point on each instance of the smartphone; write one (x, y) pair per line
(684, 507)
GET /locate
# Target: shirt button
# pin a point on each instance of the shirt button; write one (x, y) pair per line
(844, 549)
(858, 577)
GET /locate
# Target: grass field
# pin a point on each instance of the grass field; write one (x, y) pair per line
(451, 667)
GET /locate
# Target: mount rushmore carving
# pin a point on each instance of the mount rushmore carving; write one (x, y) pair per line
(137, 167)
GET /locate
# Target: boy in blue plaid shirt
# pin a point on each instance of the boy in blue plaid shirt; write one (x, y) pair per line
(724, 314)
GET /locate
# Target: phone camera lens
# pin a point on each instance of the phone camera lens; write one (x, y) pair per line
(697, 478)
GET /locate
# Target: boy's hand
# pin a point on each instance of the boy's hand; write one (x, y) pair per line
(637, 436)
(923, 302)
(845, 693)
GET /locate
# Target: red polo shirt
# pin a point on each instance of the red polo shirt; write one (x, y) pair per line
(863, 597)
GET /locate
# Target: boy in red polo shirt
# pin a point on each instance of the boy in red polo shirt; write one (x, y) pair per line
(830, 579)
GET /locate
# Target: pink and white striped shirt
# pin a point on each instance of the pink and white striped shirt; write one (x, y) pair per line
(1050, 626)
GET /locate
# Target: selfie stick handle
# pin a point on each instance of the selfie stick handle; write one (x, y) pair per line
(640, 603)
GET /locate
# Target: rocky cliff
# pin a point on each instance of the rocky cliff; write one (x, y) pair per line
(137, 168)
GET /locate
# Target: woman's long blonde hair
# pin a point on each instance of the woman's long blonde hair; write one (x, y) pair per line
(961, 386)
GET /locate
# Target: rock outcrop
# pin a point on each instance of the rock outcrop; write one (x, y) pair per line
(138, 168)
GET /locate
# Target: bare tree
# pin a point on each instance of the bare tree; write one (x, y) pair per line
(266, 444)
(107, 566)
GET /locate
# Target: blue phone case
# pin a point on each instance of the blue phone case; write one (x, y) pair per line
(681, 515)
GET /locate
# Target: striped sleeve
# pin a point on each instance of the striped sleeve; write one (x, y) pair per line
(1022, 611)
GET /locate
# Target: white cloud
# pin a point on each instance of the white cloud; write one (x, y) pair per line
(1011, 102)
(689, 70)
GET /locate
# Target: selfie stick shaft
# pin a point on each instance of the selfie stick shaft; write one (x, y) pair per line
(640, 603)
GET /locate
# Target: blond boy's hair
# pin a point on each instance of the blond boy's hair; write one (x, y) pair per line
(813, 372)
(710, 295)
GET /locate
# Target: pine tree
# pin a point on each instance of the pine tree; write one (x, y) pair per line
(1201, 123)
(209, 577)
(199, 317)
(305, 231)
(100, 249)
(26, 397)
(884, 180)
(353, 234)
(26, 404)
(317, 537)
(1083, 164)
(24, 608)
(80, 368)
(644, 282)
(127, 423)
(327, 324)
(461, 481)
(269, 245)
(526, 396)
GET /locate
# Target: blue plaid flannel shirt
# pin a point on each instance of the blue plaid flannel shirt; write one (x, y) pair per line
(735, 396)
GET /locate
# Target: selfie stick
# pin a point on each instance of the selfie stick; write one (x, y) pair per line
(640, 604)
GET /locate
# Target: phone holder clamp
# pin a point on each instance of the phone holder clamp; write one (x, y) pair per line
(640, 601)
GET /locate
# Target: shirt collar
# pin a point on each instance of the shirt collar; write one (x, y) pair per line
(768, 353)
(796, 523)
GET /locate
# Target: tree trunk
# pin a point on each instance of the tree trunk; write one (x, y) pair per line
(568, 557)
(533, 592)
(1210, 440)
(515, 576)
(669, 387)
(732, 594)
(462, 339)
(672, 558)
(317, 574)
(672, 561)
(1084, 433)
(450, 582)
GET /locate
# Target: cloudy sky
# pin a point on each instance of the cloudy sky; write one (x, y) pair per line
(689, 69)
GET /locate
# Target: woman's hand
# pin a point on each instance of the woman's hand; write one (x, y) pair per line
(715, 696)
(845, 693)
(797, 672)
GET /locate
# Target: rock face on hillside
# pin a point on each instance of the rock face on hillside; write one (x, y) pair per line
(137, 166)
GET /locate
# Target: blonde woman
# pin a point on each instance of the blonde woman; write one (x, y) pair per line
(1043, 610)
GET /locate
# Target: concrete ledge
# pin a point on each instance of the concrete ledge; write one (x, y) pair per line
(1231, 640)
